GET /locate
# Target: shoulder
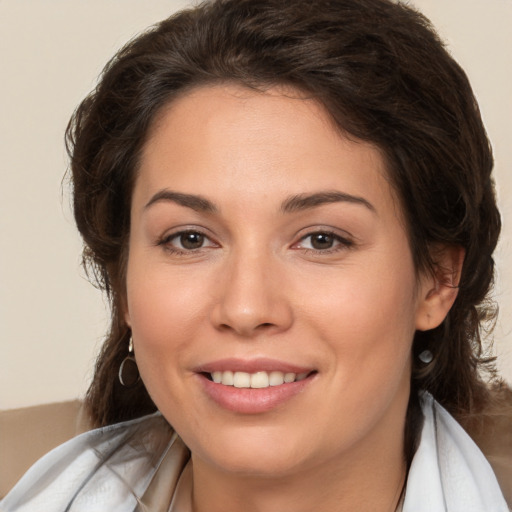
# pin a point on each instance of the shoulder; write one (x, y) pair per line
(448, 470)
(491, 430)
(106, 467)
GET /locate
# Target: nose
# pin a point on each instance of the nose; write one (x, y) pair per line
(251, 297)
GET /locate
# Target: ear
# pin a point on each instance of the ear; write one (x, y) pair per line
(438, 289)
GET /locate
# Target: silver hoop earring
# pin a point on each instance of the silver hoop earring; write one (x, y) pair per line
(426, 357)
(128, 371)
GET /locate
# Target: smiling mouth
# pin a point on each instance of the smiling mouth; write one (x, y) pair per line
(258, 380)
(255, 386)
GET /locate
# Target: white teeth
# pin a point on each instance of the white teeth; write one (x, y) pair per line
(276, 378)
(242, 380)
(289, 377)
(256, 380)
(227, 378)
(259, 380)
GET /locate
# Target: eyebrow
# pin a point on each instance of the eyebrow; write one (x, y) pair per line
(294, 203)
(195, 202)
(305, 201)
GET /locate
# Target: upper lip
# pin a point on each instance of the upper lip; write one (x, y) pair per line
(251, 366)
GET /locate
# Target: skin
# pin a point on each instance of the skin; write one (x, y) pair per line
(256, 287)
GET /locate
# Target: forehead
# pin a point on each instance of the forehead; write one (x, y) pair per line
(255, 144)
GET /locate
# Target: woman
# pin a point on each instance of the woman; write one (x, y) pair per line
(290, 206)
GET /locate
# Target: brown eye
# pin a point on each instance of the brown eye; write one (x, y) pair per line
(321, 241)
(192, 240)
(324, 242)
(186, 242)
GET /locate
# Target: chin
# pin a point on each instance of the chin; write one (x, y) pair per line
(255, 455)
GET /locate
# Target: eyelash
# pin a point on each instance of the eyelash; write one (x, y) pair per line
(340, 243)
(165, 242)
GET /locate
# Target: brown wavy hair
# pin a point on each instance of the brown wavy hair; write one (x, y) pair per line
(382, 73)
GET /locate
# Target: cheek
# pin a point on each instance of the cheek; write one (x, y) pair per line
(161, 303)
(364, 305)
(367, 319)
(164, 313)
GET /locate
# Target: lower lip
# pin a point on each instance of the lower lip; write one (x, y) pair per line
(250, 400)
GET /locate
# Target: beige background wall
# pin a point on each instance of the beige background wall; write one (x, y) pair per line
(51, 319)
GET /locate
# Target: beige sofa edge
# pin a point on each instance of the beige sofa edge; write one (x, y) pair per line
(28, 433)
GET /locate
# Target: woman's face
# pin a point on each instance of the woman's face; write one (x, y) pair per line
(267, 250)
